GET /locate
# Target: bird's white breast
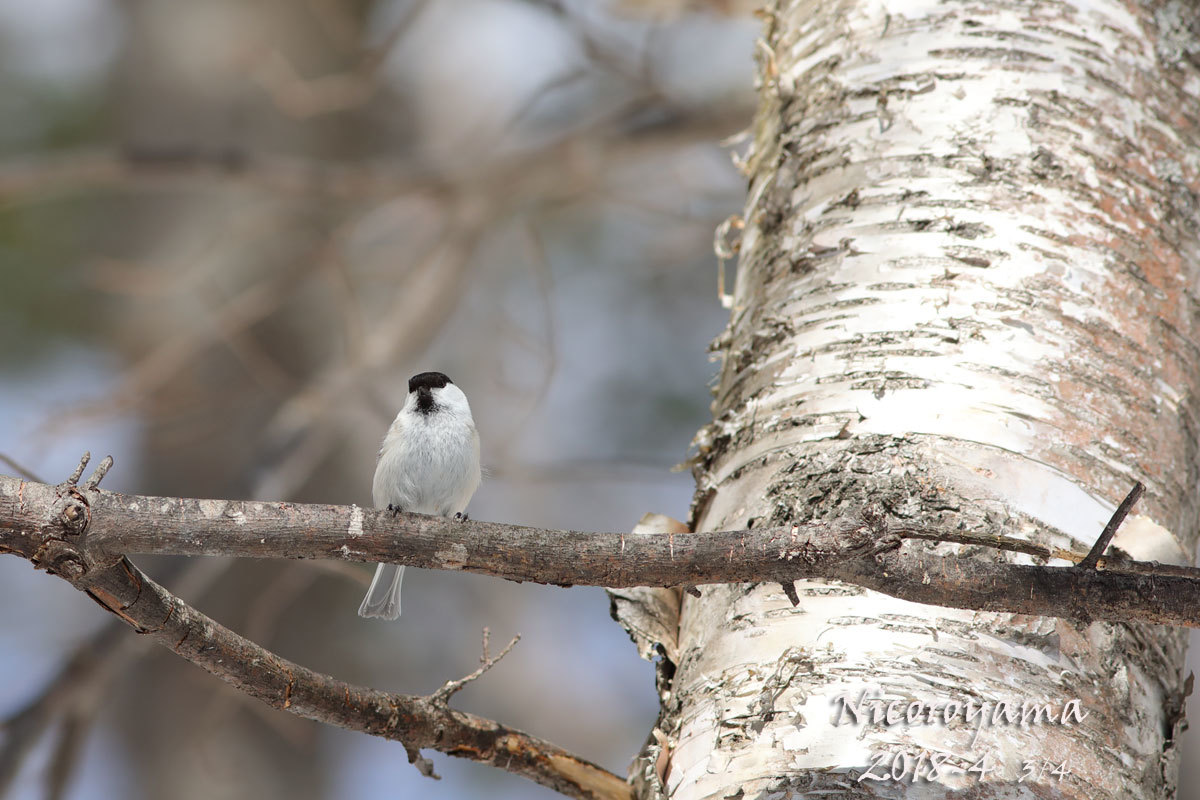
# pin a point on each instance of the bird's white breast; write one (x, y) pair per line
(428, 464)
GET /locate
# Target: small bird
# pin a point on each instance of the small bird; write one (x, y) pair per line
(428, 464)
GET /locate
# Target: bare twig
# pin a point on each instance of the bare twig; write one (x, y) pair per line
(154, 166)
(308, 97)
(93, 482)
(1093, 557)
(451, 688)
(863, 552)
(25, 728)
(424, 302)
(544, 346)
(20, 468)
(262, 618)
(71, 736)
(989, 540)
(1011, 545)
(522, 175)
(73, 480)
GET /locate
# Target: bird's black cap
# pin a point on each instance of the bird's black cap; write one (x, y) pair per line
(427, 380)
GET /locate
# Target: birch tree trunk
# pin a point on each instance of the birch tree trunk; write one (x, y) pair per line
(966, 295)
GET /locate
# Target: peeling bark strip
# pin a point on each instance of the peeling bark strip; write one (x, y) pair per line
(866, 553)
(966, 291)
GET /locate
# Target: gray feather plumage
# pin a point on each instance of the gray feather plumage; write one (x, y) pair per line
(428, 464)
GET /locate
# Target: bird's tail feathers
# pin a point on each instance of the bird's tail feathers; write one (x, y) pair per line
(383, 598)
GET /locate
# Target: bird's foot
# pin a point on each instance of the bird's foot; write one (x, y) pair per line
(461, 517)
(395, 509)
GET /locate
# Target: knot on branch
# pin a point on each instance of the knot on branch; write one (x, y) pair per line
(59, 558)
(68, 520)
(873, 532)
(866, 533)
(71, 513)
(423, 764)
(875, 518)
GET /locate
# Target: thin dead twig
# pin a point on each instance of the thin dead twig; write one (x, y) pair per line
(20, 469)
(450, 688)
(1093, 557)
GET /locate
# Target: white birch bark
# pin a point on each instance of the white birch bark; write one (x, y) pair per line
(966, 293)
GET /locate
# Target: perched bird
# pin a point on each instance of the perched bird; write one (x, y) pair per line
(428, 464)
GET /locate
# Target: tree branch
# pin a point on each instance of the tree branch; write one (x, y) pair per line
(84, 680)
(486, 662)
(83, 534)
(417, 722)
(1110, 530)
(60, 543)
(866, 553)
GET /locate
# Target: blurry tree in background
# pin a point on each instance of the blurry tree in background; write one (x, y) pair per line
(230, 231)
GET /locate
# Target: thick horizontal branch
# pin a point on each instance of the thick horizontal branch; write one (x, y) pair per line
(62, 545)
(863, 553)
(82, 534)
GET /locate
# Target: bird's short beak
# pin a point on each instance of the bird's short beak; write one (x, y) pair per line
(424, 399)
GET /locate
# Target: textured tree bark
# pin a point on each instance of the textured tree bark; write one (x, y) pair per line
(68, 531)
(966, 292)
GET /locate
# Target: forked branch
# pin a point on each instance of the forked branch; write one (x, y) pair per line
(61, 546)
(83, 534)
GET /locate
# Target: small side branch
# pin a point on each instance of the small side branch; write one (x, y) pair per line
(1110, 530)
(73, 479)
(450, 688)
(98, 474)
(417, 722)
